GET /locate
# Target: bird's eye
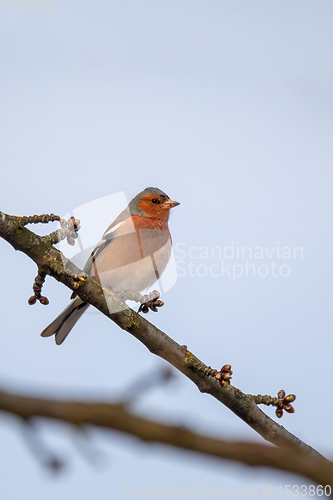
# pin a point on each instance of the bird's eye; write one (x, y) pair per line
(155, 201)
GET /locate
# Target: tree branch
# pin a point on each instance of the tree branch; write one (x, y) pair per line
(117, 417)
(51, 261)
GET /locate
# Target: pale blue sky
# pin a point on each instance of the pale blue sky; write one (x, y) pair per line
(227, 107)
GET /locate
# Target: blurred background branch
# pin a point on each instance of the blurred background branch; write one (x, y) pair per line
(118, 417)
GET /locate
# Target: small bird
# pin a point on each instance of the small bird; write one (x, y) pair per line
(131, 256)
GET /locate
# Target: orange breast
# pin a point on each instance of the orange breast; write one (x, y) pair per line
(137, 239)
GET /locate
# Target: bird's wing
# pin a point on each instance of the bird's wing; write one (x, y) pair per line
(106, 239)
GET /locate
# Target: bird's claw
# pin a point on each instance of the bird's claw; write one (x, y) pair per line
(150, 301)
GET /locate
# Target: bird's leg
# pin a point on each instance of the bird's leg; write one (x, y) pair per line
(150, 301)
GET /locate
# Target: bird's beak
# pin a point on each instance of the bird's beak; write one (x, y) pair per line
(170, 204)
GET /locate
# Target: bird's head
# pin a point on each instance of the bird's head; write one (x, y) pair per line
(152, 202)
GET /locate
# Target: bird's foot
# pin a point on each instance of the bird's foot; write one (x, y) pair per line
(150, 301)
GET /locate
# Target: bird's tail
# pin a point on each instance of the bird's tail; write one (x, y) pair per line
(63, 324)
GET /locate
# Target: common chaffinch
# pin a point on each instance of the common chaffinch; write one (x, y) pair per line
(131, 256)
